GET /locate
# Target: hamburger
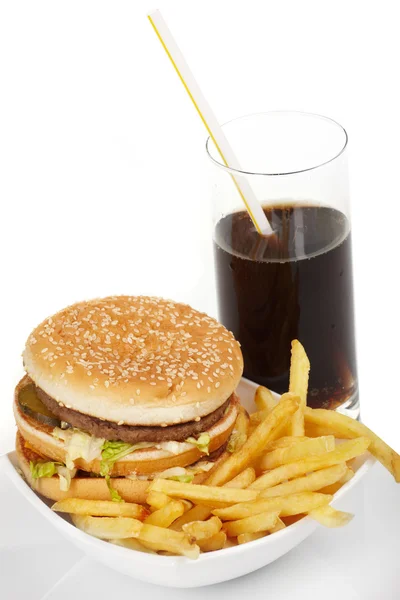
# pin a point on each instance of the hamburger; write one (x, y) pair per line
(121, 390)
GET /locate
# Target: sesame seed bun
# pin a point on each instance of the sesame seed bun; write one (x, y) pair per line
(134, 360)
(88, 488)
(143, 462)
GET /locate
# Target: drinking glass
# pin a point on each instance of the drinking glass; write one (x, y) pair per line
(297, 283)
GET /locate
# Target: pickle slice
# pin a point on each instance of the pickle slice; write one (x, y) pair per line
(32, 406)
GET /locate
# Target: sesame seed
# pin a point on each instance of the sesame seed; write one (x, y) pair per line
(217, 384)
(208, 389)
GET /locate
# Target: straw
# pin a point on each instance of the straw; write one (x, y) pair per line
(207, 116)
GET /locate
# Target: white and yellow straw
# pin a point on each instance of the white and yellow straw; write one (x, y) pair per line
(207, 116)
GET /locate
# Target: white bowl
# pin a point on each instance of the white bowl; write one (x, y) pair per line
(171, 571)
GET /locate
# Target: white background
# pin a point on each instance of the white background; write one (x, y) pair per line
(103, 173)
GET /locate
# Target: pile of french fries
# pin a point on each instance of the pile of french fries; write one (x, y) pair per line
(285, 464)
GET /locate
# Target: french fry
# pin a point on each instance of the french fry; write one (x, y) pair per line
(253, 426)
(287, 506)
(243, 480)
(256, 442)
(248, 509)
(264, 400)
(314, 431)
(330, 517)
(335, 487)
(242, 422)
(342, 453)
(345, 427)
(202, 530)
(285, 442)
(202, 494)
(165, 516)
(244, 538)
(201, 513)
(260, 522)
(101, 508)
(291, 520)
(132, 544)
(319, 480)
(186, 504)
(166, 540)
(197, 513)
(230, 542)
(311, 447)
(108, 528)
(297, 504)
(298, 384)
(260, 415)
(216, 542)
(157, 500)
(278, 526)
(257, 417)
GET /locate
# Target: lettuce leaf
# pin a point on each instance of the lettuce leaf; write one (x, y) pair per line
(201, 466)
(113, 451)
(171, 447)
(43, 469)
(115, 497)
(48, 469)
(65, 476)
(176, 474)
(79, 444)
(182, 478)
(202, 442)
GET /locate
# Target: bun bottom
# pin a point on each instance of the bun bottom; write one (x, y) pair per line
(88, 488)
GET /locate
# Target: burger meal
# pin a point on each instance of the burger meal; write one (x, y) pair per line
(128, 418)
(123, 389)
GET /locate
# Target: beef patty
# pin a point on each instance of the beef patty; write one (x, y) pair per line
(132, 434)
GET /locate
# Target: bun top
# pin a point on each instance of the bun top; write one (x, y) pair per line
(136, 360)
